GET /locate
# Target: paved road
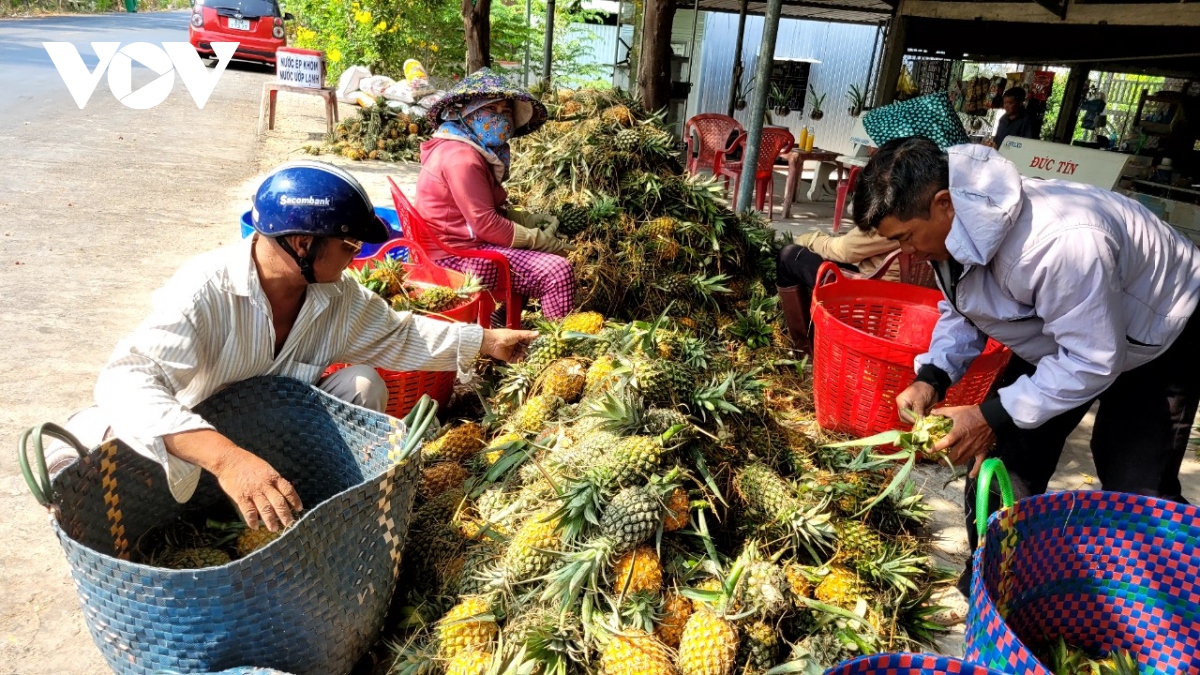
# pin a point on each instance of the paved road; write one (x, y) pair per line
(97, 207)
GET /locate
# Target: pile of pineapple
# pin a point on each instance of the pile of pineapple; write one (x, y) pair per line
(644, 498)
(647, 236)
(388, 278)
(196, 541)
(378, 132)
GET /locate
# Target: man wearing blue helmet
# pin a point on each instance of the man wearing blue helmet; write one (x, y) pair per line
(277, 303)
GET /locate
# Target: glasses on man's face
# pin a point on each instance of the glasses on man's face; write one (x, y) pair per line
(352, 246)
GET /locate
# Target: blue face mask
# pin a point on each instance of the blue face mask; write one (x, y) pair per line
(493, 129)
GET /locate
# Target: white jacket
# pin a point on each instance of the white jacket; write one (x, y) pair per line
(1082, 282)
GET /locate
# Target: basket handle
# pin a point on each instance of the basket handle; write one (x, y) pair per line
(829, 273)
(42, 490)
(991, 467)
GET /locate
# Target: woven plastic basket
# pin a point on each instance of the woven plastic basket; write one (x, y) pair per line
(311, 602)
(908, 664)
(1103, 570)
(867, 334)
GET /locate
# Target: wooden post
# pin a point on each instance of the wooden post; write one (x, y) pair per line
(548, 52)
(1073, 93)
(735, 83)
(477, 23)
(892, 62)
(758, 105)
(654, 64)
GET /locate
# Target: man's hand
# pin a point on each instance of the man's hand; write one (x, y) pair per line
(989, 142)
(258, 490)
(970, 439)
(917, 400)
(506, 345)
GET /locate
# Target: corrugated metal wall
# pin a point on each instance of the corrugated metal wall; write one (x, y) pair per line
(844, 52)
(599, 44)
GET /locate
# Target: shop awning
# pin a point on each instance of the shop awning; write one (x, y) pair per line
(840, 11)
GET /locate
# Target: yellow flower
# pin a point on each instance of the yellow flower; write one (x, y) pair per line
(335, 55)
(363, 16)
(433, 48)
(381, 26)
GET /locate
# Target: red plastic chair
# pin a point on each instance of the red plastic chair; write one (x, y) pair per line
(776, 141)
(845, 187)
(706, 135)
(418, 230)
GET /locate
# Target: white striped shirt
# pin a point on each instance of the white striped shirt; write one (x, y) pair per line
(211, 326)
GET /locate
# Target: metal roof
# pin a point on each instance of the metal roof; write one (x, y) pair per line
(841, 11)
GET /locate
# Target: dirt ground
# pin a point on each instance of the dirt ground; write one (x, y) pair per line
(97, 208)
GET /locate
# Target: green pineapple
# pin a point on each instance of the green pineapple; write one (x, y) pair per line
(628, 140)
(194, 558)
(760, 647)
(773, 502)
(544, 350)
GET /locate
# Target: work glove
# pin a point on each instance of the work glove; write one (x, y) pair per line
(541, 221)
(534, 239)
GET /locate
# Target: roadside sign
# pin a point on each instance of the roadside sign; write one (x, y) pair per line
(300, 67)
(1041, 159)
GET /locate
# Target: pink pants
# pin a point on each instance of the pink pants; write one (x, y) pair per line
(544, 276)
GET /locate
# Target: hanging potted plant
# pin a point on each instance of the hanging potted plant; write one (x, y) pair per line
(739, 95)
(779, 100)
(817, 101)
(858, 100)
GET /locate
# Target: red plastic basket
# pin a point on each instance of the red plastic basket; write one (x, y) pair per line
(405, 388)
(867, 334)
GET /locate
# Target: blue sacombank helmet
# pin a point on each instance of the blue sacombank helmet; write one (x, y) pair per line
(317, 199)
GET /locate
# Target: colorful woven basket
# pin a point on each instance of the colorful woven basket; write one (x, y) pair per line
(908, 664)
(1103, 570)
(311, 602)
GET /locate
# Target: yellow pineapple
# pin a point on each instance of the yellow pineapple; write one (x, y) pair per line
(565, 379)
(414, 129)
(599, 377)
(584, 322)
(469, 624)
(440, 478)
(634, 652)
(496, 449)
(250, 540)
(841, 588)
(798, 581)
(675, 614)
(638, 570)
(455, 445)
(709, 644)
(678, 510)
(570, 108)
(193, 558)
(619, 114)
(472, 661)
(535, 412)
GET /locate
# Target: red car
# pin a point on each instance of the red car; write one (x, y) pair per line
(256, 25)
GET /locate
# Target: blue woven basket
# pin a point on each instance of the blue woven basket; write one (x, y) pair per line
(908, 664)
(1103, 570)
(311, 602)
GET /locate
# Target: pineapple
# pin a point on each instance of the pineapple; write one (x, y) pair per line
(619, 114)
(441, 478)
(435, 299)
(456, 445)
(634, 458)
(413, 130)
(535, 412)
(841, 587)
(471, 661)
(570, 108)
(858, 542)
(638, 570)
(584, 322)
(599, 377)
(709, 644)
(928, 431)
(629, 519)
(572, 220)
(773, 502)
(531, 551)
(250, 540)
(675, 614)
(760, 647)
(663, 227)
(676, 285)
(634, 652)
(798, 581)
(194, 558)
(678, 510)
(500, 445)
(627, 140)
(544, 350)
(763, 589)
(469, 624)
(565, 379)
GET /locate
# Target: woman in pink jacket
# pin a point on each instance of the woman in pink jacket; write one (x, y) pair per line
(460, 193)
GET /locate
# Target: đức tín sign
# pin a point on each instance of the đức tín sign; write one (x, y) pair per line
(300, 67)
(1041, 159)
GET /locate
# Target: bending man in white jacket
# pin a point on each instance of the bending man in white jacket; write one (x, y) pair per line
(1095, 296)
